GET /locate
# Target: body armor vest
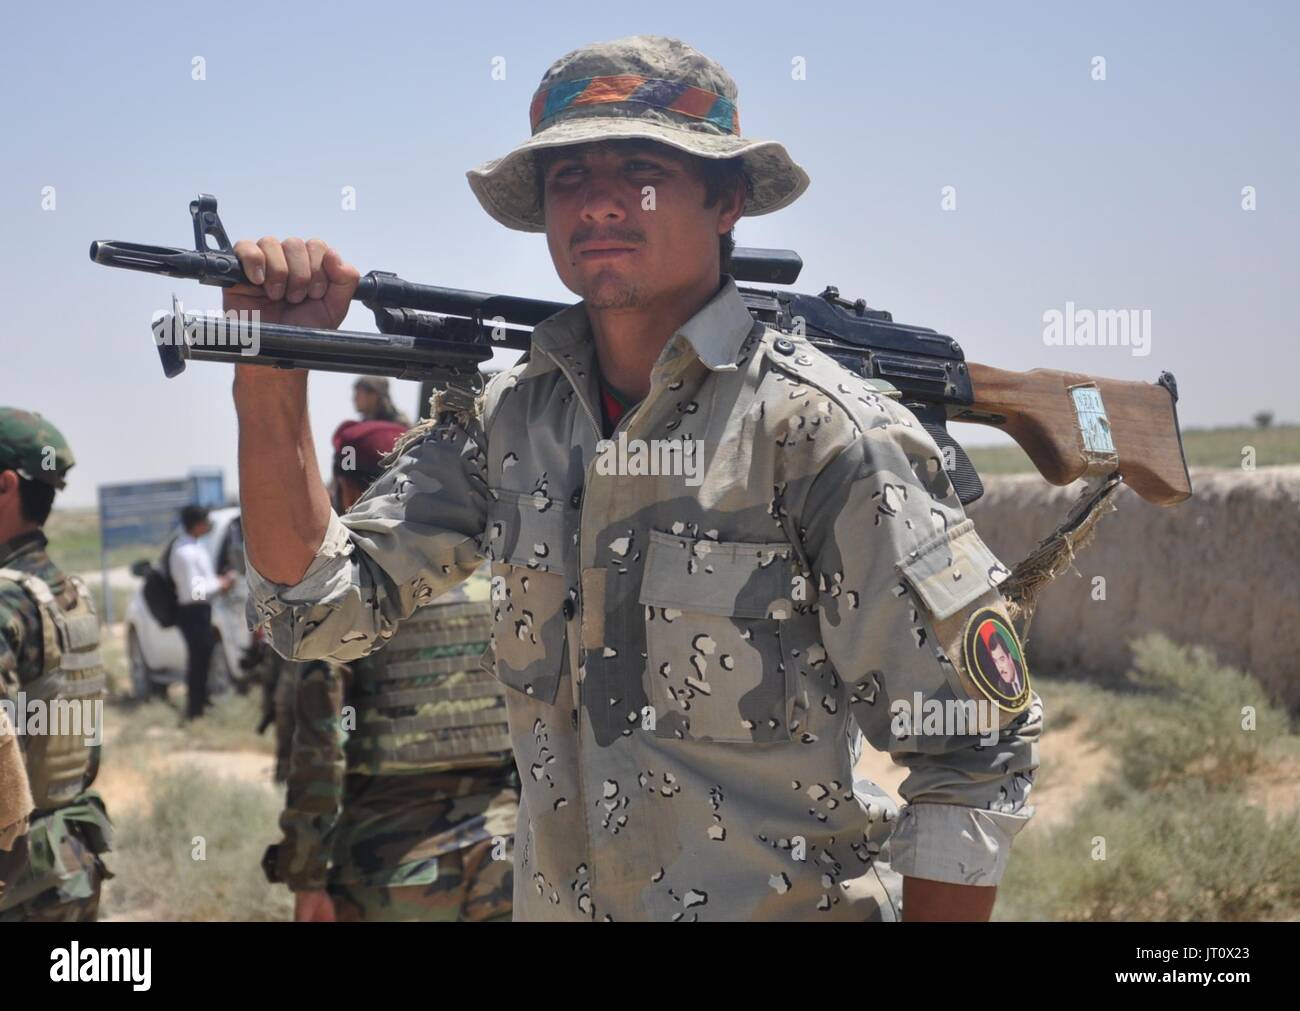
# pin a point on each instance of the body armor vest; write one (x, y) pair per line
(422, 702)
(58, 758)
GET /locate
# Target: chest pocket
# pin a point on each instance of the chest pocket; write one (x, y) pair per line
(524, 540)
(715, 662)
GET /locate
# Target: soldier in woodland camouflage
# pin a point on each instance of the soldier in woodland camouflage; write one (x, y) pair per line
(685, 656)
(401, 789)
(49, 666)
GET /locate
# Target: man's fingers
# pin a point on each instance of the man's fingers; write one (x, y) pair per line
(339, 272)
(251, 261)
(316, 250)
(295, 271)
(277, 268)
(295, 255)
(343, 280)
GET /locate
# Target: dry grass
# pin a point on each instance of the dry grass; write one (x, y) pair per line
(194, 807)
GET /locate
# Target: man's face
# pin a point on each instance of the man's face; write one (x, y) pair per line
(1002, 660)
(626, 223)
(363, 399)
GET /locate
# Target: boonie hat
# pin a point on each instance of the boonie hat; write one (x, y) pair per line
(646, 87)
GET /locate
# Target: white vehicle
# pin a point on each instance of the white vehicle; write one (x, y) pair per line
(157, 655)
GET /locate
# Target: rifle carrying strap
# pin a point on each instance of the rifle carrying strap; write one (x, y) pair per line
(1055, 553)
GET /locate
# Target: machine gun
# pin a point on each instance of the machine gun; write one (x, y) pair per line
(1068, 423)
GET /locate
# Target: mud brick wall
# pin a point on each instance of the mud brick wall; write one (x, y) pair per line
(1221, 570)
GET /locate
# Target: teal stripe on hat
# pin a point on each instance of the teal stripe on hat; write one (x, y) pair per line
(723, 114)
(562, 95)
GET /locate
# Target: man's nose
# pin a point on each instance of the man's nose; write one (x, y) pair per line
(601, 200)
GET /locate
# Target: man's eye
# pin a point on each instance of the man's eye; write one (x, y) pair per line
(567, 172)
(643, 166)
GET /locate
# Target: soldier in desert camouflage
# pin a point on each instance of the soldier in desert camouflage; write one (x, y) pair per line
(402, 792)
(685, 655)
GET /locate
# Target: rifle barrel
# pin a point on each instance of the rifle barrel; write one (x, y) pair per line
(182, 336)
(379, 289)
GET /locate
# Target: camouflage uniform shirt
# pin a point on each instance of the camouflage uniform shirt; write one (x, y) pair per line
(685, 654)
(63, 870)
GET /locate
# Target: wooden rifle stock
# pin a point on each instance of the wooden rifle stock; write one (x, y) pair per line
(1037, 409)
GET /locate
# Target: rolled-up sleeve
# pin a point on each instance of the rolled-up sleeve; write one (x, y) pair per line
(414, 535)
(905, 585)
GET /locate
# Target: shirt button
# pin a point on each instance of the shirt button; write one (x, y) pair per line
(575, 499)
(568, 609)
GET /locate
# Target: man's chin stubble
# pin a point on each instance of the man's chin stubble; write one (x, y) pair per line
(608, 292)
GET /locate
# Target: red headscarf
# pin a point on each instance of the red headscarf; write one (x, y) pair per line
(369, 441)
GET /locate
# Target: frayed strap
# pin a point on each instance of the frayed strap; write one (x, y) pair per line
(1055, 553)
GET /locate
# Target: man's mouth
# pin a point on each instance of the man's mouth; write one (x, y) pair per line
(603, 251)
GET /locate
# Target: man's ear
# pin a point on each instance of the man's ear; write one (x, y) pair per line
(8, 482)
(731, 207)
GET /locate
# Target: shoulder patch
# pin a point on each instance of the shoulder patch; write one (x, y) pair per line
(995, 660)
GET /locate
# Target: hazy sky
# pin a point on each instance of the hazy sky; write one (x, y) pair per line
(1123, 193)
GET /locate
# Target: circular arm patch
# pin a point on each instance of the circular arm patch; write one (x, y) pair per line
(995, 660)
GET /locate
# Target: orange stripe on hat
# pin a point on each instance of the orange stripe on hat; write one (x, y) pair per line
(695, 102)
(609, 89)
(676, 96)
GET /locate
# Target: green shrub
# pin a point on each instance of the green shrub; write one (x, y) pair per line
(1191, 854)
(1187, 720)
(1170, 836)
